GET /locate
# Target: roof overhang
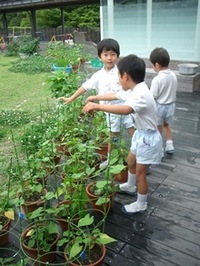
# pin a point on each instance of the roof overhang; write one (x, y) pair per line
(22, 5)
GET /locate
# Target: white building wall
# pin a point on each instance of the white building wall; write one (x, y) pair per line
(142, 26)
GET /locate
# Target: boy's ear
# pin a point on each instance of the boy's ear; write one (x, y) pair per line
(157, 65)
(125, 75)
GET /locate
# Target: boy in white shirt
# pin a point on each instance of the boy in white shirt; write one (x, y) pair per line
(163, 88)
(105, 81)
(146, 145)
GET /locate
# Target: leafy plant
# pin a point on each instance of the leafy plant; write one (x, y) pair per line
(62, 83)
(82, 239)
(33, 64)
(41, 235)
(28, 45)
(12, 48)
(14, 118)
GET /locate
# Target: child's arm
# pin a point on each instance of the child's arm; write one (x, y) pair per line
(70, 99)
(104, 97)
(114, 109)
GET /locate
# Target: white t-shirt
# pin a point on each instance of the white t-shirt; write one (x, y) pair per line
(105, 82)
(143, 104)
(164, 87)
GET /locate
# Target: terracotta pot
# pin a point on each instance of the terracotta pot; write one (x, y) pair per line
(122, 176)
(98, 262)
(105, 207)
(103, 150)
(32, 206)
(35, 253)
(4, 233)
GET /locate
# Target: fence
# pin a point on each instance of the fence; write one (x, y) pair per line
(46, 34)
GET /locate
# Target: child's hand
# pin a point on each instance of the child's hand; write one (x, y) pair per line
(90, 99)
(65, 100)
(89, 107)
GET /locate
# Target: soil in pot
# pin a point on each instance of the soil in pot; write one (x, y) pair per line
(92, 257)
(33, 202)
(4, 232)
(38, 253)
(105, 207)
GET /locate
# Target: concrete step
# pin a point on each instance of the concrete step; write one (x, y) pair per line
(186, 83)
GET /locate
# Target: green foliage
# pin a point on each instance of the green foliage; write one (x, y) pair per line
(62, 83)
(49, 18)
(74, 16)
(33, 64)
(14, 118)
(12, 48)
(84, 17)
(84, 237)
(28, 45)
(41, 235)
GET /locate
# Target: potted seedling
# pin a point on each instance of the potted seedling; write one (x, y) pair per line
(85, 243)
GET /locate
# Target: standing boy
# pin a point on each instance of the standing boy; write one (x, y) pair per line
(146, 145)
(163, 88)
(105, 81)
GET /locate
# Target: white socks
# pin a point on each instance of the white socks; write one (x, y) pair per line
(141, 199)
(129, 187)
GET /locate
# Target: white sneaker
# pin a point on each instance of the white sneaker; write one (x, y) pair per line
(125, 188)
(169, 147)
(133, 208)
(103, 165)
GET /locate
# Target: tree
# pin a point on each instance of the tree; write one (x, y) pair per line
(49, 18)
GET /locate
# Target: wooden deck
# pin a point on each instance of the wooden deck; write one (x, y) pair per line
(168, 233)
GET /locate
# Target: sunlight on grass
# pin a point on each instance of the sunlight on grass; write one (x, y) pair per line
(20, 90)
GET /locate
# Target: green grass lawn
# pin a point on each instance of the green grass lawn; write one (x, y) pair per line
(19, 92)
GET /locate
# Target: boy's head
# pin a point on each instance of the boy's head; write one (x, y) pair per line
(108, 45)
(133, 66)
(160, 55)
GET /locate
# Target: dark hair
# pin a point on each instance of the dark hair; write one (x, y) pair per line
(133, 66)
(108, 45)
(161, 56)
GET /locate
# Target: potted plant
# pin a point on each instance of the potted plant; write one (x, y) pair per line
(6, 215)
(6, 208)
(31, 197)
(39, 240)
(101, 192)
(62, 64)
(85, 243)
(62, 83)
(28, 46)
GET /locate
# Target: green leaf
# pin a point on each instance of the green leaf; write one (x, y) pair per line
(105, 239)
(53, 228)
(87, 220)
(75, 250)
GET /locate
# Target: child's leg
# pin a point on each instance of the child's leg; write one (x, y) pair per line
(168, 135)
(129, 187)
(167, 131)
(141, 203)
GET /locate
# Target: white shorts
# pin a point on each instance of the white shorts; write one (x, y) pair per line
(165, 113)
(116, 122)
(147, 147)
